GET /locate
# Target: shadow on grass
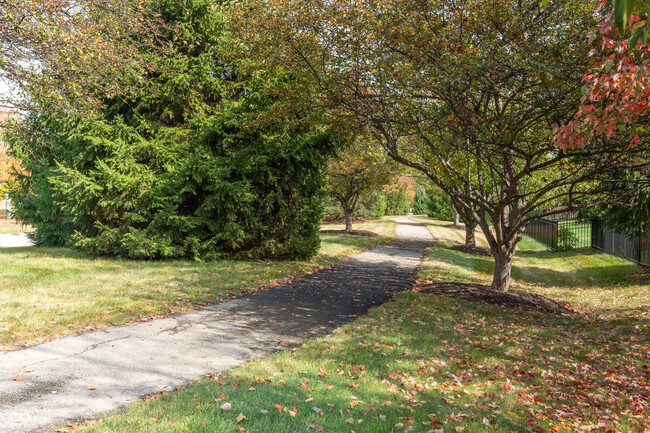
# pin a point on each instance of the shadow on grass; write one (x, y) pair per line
(390, 368)
(594, 271)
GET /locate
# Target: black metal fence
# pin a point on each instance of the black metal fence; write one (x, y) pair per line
(544, 232)
(567, 232)
(559, 234)
(635, 247)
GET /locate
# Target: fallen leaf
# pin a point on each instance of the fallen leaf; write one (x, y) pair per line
(312, 425)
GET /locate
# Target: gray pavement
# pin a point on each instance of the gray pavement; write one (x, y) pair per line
(15, 240)
(85, 376)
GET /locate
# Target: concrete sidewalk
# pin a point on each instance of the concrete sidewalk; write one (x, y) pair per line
(15, 240)
(85, 376)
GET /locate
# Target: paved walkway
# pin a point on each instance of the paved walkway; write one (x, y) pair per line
(15, 240)
(82, 377)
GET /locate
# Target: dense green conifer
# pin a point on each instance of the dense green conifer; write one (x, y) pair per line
(191, 167)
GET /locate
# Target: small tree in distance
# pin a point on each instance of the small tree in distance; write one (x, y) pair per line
(8, 164)
(357, 170)
(421, 202)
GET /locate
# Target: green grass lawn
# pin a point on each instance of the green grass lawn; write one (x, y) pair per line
(49, 292)
(11, 226)
(427, 364)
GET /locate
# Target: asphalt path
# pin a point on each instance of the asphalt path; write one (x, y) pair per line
(86, 376)
(15, 240)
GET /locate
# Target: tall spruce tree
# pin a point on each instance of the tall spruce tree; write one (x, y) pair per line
(192, 166)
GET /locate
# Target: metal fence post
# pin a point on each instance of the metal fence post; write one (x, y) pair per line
(638, 246)
(596, 234)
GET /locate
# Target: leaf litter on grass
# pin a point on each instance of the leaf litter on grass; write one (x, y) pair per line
(422, 363)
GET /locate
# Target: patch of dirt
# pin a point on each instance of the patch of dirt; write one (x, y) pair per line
(512, 298)
(353, 232)
(476, 250)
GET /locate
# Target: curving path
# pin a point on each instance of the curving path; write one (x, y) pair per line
(83, 377)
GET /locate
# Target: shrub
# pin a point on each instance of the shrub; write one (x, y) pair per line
(566, 239)
(440, 208)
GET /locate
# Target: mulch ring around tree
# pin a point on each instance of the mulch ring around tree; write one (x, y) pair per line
(512, 298)
(353, 232)
(472, 250)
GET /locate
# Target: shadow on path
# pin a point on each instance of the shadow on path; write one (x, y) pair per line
(85, 376)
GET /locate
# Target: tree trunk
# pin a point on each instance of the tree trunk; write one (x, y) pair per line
(470, 235)
(348, 221)
(456, 216)
(502, 270)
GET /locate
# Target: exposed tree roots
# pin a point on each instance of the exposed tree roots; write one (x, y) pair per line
(512, 298)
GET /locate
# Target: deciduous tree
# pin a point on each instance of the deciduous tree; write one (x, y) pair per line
(75, 53)
(446, 85)
(616, 103)
(357, 170)
(9, 166)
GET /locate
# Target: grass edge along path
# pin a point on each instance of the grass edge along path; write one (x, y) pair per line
(421, 364)
(426, 364)
(48, 293)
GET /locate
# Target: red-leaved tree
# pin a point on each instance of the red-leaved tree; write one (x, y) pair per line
(617, 97)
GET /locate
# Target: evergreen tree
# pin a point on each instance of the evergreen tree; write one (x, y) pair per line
(440, 208)
(192, 166)
(398, 201)
(421, 202)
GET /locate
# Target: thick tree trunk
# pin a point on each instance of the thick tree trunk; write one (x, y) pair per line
(502, 270)
(470, 234)
(456, 216)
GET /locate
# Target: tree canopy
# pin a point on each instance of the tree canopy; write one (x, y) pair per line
(617, 85)
(447, 85)
(359, 168)
(73, 54)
